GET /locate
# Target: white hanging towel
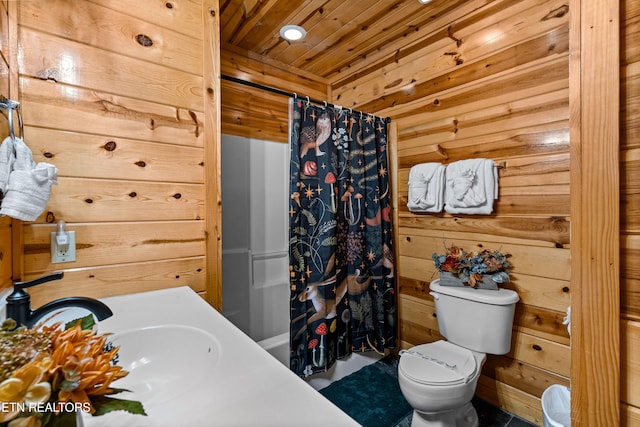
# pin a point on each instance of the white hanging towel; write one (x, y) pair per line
(471, 186)
(29, 185)
(7, 158)
(426, 188)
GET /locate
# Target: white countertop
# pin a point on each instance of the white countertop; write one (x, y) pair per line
(254, 389)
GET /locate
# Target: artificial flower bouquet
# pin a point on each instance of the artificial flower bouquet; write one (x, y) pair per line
(48, 374)
(485, 269)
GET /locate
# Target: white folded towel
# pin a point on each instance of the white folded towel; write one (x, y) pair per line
(29, 185)
(24, 156)
(426, 187)
(7, 158)
(471, 186)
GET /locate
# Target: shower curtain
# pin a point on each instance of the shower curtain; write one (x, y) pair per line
(340, 254)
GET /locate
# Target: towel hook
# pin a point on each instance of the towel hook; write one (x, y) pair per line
(11, 105)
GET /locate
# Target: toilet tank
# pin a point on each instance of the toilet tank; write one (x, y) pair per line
(476, 319)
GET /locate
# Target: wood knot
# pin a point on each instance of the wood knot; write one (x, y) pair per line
(442, 152)
(88, 200)
(133, 194)
(110, 146)
(452, 37)
(177, 196)
(195, 121)
(536, 347)
(556, 13)
(144, 40)
(168, 5)
(140, 163)
(408, 238)
(48, 155)
(212, 12)
(565, 289)
(51, 218)
(177, 276)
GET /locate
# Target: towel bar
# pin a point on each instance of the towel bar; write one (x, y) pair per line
(11, 105)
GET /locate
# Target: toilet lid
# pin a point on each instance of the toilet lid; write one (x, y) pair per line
(438, 363)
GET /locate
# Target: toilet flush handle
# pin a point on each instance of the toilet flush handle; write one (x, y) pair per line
(434, 295)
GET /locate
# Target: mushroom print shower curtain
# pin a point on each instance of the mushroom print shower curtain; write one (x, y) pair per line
(340, 257)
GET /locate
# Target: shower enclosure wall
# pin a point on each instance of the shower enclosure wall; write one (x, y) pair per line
(255, 286)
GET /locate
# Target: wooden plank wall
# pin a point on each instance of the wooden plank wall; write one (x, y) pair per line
(5, 222)
(630, 211)
(113, 94)
(486, 79)
(594, 104)
(256, 113)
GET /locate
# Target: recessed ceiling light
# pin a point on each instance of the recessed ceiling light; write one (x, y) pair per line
(424, 1)
(292, 32)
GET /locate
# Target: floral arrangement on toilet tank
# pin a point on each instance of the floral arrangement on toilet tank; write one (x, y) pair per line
(484, 270)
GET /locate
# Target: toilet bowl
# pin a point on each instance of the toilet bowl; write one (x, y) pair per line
(439, 380)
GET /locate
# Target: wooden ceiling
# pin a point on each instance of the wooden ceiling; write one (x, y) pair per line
(360, 30)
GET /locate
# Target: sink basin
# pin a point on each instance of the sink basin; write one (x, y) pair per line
(190, 366)
(165, 362)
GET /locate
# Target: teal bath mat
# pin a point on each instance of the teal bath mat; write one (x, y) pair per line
(371, 396)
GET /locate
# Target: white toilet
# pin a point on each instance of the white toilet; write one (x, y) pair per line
(439, 379)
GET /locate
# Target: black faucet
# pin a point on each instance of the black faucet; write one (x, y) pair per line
(19, 303)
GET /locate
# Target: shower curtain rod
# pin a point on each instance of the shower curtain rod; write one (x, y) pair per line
(290, 94)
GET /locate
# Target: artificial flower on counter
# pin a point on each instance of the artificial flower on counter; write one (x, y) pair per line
(49, 373)
(472, 268)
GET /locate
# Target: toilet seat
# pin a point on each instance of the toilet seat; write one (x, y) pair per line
(439, 364)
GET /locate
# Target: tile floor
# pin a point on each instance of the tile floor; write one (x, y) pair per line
(489, 416)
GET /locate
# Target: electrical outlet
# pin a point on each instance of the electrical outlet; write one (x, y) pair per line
(67, 254)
